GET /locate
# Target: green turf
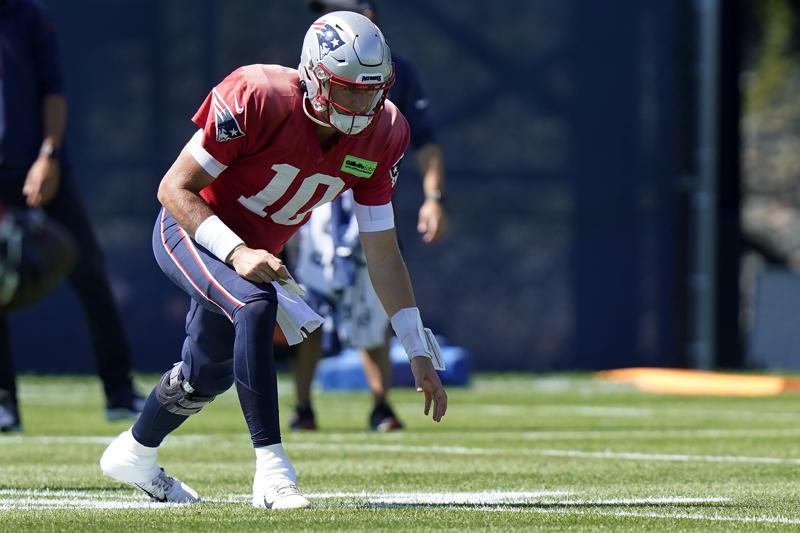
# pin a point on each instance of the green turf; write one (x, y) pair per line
(515, 452)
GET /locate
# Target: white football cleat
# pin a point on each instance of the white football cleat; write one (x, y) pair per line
(282, 493)
(130, 462)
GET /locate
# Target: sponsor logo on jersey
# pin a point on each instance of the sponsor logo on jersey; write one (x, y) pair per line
(227, 126)
(328, 37)
(363, 168)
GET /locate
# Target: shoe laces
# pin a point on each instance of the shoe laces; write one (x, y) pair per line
(286, 489)
(163, 481)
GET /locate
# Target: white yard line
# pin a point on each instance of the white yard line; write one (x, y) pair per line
(194, 440)
(178, 440)
(46, 494)
(593, 434)
(571, 511)
(349, 437)
(445, 498)
(63, 499)
(612, 411)
(485, 501)
(77, 503)
(507, 498)
(464, 450)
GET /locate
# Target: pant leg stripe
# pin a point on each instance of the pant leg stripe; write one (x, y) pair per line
(199, 260)
(183, 270)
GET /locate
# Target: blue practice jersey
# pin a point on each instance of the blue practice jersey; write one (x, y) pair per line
(29, 70)
(408, 96)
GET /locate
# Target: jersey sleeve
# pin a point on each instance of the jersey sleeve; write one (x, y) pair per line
(46, 54)
(232, 122)
(379, 188)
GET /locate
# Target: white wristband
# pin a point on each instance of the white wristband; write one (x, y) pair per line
(216, 237)
(407, 325)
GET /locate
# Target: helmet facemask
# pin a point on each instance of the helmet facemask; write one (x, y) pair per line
(350, 106)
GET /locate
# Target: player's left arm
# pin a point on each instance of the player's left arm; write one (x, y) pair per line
(391, 281)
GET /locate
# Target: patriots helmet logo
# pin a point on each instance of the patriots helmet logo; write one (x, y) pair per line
(328, 37)
(227, 126)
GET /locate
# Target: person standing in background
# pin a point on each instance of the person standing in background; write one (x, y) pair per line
(363, 321)
(35, 174)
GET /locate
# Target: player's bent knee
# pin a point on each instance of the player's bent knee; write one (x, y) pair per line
(258, 309)
(176, 395)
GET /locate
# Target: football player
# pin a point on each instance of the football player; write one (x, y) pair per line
(272, 144)
(363, 323)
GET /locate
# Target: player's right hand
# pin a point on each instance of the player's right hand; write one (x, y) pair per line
(257, 265)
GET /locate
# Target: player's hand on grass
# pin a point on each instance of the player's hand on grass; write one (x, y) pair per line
(42, 181)
(427, 381)
(257, 265)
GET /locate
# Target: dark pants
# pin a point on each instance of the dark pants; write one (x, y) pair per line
(90, 282)
(229, 331)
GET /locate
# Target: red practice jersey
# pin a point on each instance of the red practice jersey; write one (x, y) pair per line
(269, 166)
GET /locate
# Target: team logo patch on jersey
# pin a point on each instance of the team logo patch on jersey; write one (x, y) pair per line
(227, 126)
(328, 37)
(394, 172)
(356, 166)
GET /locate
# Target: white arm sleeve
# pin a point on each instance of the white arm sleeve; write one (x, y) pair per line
(206, 160)
(374, 217)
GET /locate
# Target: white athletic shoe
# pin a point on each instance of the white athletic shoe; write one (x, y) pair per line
(130, 462)
(275, 482)
(278, 493)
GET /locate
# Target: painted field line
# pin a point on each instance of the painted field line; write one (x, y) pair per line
(763, 519)
(431, 498)
(634, 456)
(482, 500)
(593, 434)
(619, 411)
(179, 440)
(544, 410)
(508, 498)
(42, 494)
(235, 438)
(78, 503)
(445, 498)
(192, 440)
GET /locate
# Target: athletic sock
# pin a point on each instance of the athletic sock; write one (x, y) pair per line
(272, 461)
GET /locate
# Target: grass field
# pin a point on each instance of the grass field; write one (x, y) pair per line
(515, 452)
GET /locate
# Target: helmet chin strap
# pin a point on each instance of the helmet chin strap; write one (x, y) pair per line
(313, 118)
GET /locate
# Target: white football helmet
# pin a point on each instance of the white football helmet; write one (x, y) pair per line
(346, 67)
